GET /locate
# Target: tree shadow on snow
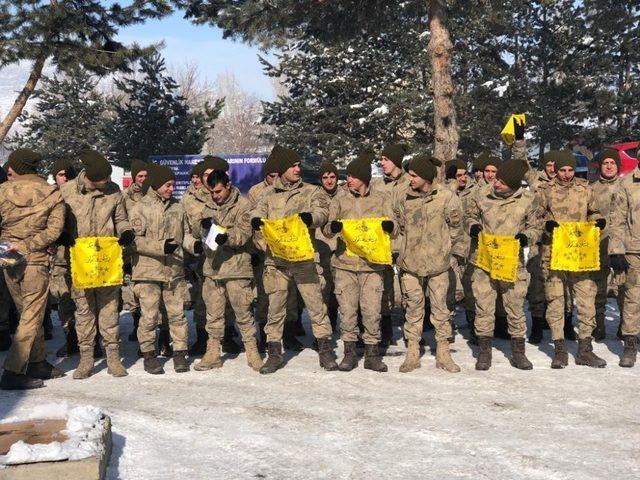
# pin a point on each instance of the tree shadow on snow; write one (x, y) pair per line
(113, 470)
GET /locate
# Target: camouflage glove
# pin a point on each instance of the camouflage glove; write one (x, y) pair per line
(522, 238)
(387, 226)
(601, 223)
(127, 238)
(206, 223)
(475, 230)
(550, 225)
(256, 223)
(307, 218)
(170, 246)
(197, 247)
(618, 263)
(221, 238)
(518, 128)
(336, 226)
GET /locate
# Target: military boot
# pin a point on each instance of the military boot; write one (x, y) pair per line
(537, 326)
(518, 358)
(586, 356)
(200, 345)
(274, 360)
(180, 364)
(350, 359)
(164, 344)
(386, 331)
(630, 351)
(43, 370)
(211, 358)
(412, 358)
(133, 336)
(114, 365)
(372, 359)
(262, 343)
(325, 354)
(289, 340)
(484, 356)
(5, 340)
(471, 321)
(443, 358)
(599, 332)
(85, 367)
(253, 356)
(151, 363)
(19, 381)
(569, 332)
(70, 346)
(501, 329)
(229, 345)
(560, 356)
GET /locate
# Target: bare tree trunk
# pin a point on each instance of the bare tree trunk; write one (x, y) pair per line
(440, 48)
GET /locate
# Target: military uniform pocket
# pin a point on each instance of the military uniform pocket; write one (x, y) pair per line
(274, 281)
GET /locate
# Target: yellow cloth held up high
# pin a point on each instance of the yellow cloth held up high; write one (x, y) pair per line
(509, 131)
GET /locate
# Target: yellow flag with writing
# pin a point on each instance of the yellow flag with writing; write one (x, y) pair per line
(498, 256)
(509, 131)
(576, 247)
(96, 262)
(365, 238)
(288, 238)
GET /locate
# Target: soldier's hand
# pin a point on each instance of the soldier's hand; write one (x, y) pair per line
(306, 218)
(255, 259)
(206, 223)
(336, 226)
(197, 247)
(518, 128)
(387, 226)
(221, 238)
(256, 223)
(618, 263)
(601, 223)
(522, 238)
(475, 230)
(549, 225)
(170, 246)
(461, 260)
(66, 240)
(127, 238)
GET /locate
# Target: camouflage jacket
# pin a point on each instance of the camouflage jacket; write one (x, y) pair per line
(233, 259)
(351, 205)
(31, 216)
(325, 245)
(193, 202)
(155, 221)
(498, 215)
(431, 227)
(605, 191)
(255, 193)
(98, 213)
(395, 188)
(534, 178)
(281, 201)
(625, 218)
(132, 194)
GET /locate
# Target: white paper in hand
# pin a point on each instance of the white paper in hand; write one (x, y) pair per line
(210, 241)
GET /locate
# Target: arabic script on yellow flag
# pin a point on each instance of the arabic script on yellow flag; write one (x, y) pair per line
(288, 239)
(509, 131)
(96, 262)
(575, 247)
(498, 256)
(365, 238)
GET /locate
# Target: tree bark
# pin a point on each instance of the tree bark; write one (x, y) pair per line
(439, 49)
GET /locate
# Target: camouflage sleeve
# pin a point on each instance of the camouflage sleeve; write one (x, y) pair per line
(387, 211)
(241, 231)
(532, 224)
(334, 214)
(618, 227)
(398, 216)
(472, 213)
(454, 220)
(519, 152)
(188, 239)
(55, 224)
(319, 208)
(144, 245)
(120, 218)
(593, 209)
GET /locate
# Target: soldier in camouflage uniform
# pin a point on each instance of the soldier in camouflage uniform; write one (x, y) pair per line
(568, 199)
(430, 220)
(359, 283)
(31, 219)
(290, 196)
(505, 209)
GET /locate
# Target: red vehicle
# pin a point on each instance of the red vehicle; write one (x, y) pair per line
(627, 151)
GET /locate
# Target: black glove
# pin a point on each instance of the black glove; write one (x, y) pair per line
(618, 263)
(256, 223)
(601, 223)
(170, 246)
(475, 230)
(306, 218)
(336, 226)
(461, 260)
(127, 238)
(127, 268)
(197, 247)
(255, 259)
(66, 240)
(522, 238)
(221, 238)
(518, 128)
(387, 226)
(206, 223)
(549, 225)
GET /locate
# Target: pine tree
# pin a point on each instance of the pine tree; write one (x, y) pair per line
(152, 118)
(69, 34)
(69, 116)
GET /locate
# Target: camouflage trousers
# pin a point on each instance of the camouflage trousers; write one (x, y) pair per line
(96, 306)
(309, 282)
(129, 300)
(535, 292)
(154, 295)
(5, 305)
(262, 299)
(582, 288)
(392, 295)
(605, 279)
(631, 297)
(487, 292)
(328, 290)
(359, 290)
(236, 294)
(465, 280)
(29, 288)
(60, 294)
(413, 293)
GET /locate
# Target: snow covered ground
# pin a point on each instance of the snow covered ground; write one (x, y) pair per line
(304, 423)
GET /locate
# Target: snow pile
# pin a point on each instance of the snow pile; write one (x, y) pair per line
(85, 428)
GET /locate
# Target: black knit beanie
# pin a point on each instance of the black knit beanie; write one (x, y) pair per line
(216, 163)
(511, 173)
(609, 153)
(395, 153)
(24, 161)
(96, 167)
(198, 169)
(283, 159)
(62, 164)
(138, 166)
(424, 166)
(360, 168)
(451, 168)
(560, 158)
(160, 175)
(327, 167)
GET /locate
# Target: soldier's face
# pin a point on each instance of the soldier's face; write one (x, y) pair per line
(388, 167)
(418, 183)
(461, 178)
(166, 190)
(220, 193)
(61, 178)
(354, 183)
(550, 169)
(329, 181)
(609, 168)
(205, 175)
(501, 187)
(271, 178)
(140, 177)
(478, 175)
(196, 181)
(490, 173)
(292, 174)
(566, 174)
